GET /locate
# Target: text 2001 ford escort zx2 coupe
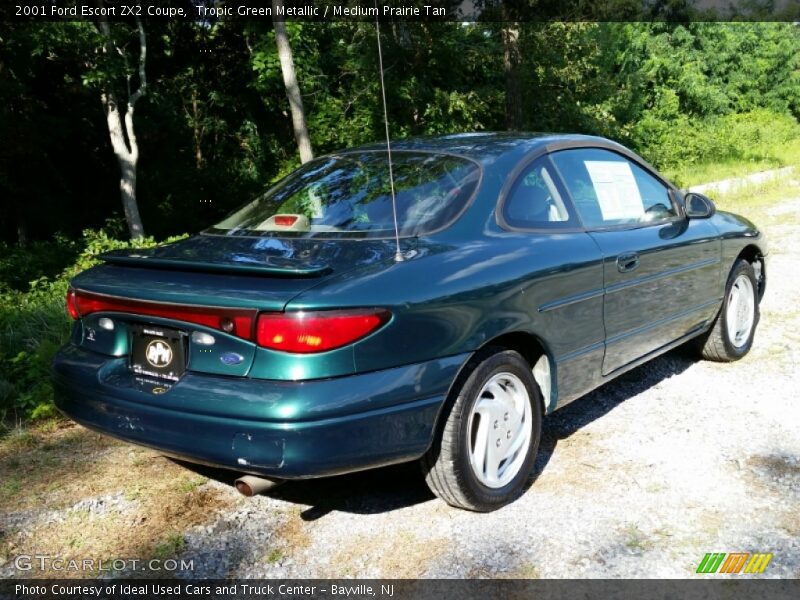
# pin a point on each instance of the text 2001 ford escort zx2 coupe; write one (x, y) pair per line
(289, 341)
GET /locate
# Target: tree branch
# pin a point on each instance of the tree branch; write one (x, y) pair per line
(133, 98)
(115, 131)
(142, 61)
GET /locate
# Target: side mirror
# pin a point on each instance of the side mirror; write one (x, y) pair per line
(698, 206)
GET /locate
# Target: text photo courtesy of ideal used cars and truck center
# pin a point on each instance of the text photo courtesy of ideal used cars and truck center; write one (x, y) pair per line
(399, 299)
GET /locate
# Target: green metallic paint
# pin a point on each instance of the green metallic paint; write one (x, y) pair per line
(281, 366)
(676, 260)
(201, 358)
(737, 233)
(210, 267)
(115, 342)
(203, 289)
(207, 359)
(283, 429)
(376, 401)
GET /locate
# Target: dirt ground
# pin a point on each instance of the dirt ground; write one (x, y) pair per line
(640, 478)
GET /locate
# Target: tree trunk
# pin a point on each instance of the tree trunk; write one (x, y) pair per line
(198, 132)
(121, 132)
(127, 190)
(511, 60)
(292, 87)
(22, 227)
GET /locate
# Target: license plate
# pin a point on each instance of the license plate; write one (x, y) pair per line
(157, 352)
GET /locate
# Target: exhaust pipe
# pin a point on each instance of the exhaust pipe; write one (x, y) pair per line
(250, 485)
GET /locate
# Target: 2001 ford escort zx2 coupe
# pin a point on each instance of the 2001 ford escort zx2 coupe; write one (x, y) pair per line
(294, 339)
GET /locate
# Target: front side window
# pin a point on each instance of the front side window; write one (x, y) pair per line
(349, 195)
(608, 189)
(535, 202)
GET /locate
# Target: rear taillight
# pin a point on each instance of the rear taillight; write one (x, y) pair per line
(300, 332)
(306, 332)
(236, 321)
(72, 308)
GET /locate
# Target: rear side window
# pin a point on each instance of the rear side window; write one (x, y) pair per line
(608, 189)
(535, 201)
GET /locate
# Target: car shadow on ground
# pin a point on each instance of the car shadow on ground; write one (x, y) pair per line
(570, 419)
(400, 486)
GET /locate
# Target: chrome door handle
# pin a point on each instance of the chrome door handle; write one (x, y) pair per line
(627, 262)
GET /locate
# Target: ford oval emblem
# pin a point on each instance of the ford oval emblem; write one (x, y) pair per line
(231, 358)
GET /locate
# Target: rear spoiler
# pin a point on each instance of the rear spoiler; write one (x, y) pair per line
(274, 266)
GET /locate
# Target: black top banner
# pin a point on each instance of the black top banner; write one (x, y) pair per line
(408, 10)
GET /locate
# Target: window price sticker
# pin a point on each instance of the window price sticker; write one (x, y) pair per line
(616, 189)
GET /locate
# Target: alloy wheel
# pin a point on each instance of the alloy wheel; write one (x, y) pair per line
(500, 430)
(740, 314)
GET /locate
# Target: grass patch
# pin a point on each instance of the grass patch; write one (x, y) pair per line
(10, 488)
(526, 571)
(697, 174)
(52, 467)
(133, 493)
(275, 556)
(18, 439)
(728, 146)
(74, 464)
(754, 200)
(59, 468)
(775, 470)
(415, 559)
(636, 540)
(192, 484)
(170, 547)
(655, 488)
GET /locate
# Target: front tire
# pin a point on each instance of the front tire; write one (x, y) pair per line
(732, 335)
(489, 434)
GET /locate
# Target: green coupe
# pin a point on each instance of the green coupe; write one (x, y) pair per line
(352, 317)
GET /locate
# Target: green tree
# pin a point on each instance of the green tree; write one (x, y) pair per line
(120, 114)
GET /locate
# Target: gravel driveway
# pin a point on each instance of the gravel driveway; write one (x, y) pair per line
(638, 479)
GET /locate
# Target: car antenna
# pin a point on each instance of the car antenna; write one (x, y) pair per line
(398, 256)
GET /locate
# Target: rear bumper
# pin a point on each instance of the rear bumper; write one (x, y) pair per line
(285, 430)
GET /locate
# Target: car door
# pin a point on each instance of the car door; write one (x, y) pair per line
(661, 270)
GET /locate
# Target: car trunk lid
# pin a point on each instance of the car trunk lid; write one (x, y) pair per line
(221, 254)
(167, 298)
(210, 270)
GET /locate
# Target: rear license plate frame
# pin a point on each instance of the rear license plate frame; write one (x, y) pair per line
(158, 352)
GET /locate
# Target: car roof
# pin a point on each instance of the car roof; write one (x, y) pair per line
(488, 147)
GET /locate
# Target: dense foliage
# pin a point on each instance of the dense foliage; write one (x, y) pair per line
(214, 127)
(34, 322)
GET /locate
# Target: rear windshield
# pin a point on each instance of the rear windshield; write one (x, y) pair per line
(349, 195)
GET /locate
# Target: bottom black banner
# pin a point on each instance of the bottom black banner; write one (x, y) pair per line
(401, 589)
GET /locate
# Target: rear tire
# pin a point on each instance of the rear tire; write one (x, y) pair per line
(488, 434)
(732, 335)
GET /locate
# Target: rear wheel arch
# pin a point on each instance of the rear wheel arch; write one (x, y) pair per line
(533, 349)
(530, 346)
